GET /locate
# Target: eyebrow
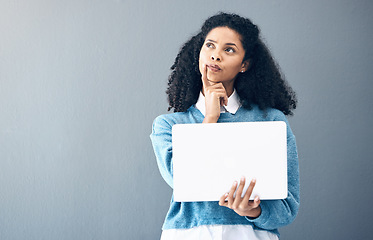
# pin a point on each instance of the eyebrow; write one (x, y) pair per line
(230, 44)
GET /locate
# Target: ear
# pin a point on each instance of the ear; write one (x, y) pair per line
(245, 66)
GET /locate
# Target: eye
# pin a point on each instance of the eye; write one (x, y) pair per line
(209, 45)
(230, 50)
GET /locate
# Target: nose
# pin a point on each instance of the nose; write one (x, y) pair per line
(215, 57)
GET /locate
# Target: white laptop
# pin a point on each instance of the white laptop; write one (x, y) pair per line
(208, 158)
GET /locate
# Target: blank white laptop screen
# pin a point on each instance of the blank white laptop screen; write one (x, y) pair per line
(208, 158)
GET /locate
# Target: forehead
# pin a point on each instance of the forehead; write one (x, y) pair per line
(224, 35)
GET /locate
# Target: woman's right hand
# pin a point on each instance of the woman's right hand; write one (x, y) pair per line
(215, 96)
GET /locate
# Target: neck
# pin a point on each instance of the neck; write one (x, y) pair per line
(229, 88)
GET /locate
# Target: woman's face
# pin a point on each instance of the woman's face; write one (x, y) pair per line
(222, 53)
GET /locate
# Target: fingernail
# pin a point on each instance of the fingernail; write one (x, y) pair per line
(254, 180)
(226, 194)
(242, 179)
(235, 183)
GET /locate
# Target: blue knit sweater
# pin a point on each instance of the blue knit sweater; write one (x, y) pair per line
(275, 213)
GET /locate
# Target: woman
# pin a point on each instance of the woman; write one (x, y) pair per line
(226, 74)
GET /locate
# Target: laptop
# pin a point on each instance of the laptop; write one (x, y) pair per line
(208, 158)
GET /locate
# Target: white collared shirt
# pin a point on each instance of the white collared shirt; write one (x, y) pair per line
(219, 232)
(233, 104)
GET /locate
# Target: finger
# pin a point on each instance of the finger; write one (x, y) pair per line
(230, 194)
(221, 92)
(223, 97)
(238, 198)
(222, 201)
(217, 94)
(205, 82)
(240, 188)
(249, 190)
(222, 102)
(256, 202)
(217, 85)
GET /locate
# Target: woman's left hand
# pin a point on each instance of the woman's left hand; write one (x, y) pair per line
(243, 206)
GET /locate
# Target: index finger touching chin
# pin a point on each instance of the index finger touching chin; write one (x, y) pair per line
(205, 82)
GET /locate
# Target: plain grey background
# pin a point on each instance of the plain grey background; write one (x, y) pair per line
(81, 82)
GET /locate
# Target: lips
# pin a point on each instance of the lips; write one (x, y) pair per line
(214, 67)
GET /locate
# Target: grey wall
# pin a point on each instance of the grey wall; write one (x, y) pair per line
(81, 82)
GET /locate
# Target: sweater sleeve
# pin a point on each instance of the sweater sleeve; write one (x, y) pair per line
(161, 138)
(278, 213)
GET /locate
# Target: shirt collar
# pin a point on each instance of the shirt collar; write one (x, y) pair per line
(233, 104)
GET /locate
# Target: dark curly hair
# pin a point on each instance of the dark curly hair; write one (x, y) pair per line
(262, 84)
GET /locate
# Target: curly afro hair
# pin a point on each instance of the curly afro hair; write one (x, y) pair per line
(262, 84)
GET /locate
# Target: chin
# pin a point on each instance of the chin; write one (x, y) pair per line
(214, 78)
